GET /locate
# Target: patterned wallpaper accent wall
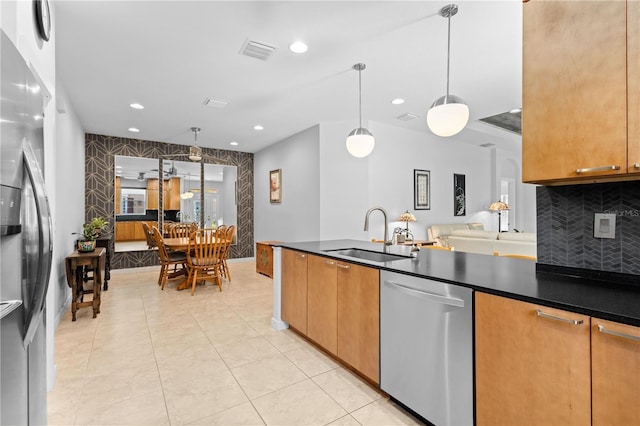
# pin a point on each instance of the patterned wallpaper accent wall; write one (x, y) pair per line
(565, 226)
(100, 180)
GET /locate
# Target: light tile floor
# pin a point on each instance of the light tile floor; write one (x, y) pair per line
(155, 357)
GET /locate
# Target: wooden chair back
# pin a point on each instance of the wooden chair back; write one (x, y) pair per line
(180, 230)
(148, 233)
(204, 257)
(163, 254)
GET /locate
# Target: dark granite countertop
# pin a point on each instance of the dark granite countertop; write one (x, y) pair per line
(513, 278)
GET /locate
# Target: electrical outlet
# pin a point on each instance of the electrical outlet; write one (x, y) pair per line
(604, 225)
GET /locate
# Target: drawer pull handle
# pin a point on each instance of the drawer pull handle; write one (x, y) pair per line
(329, 262)
(556, 318)
(343, 266)
(597, 169)
(601, 329)
(636, 165)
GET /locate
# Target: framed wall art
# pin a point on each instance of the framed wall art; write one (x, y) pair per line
(275, 186)
(421, 189)
(459, 196)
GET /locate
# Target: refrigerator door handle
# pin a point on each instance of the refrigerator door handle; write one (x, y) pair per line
(8, 306)
(45, 246)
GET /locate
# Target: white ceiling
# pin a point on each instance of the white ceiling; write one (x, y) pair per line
(172, 55)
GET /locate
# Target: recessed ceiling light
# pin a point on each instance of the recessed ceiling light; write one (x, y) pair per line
(298, 47)
(258, 127)
(134, 129)
(234, 143)
(136, 106)
(397, 101)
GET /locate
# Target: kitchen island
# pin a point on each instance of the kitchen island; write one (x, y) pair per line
(543, 347)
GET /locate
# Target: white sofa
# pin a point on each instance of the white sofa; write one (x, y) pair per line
(440, 233)
(472, 238)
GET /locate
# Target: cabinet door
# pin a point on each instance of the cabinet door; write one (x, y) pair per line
(574, 89)
(615, 359)
(294, 289)
(532, 366)
(322, 303)
(173, 194)
(633, 80)
(359, 318)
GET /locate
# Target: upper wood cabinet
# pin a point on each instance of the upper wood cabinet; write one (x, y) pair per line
(580, 118)
(532, 364)
(152, 194)
(118, 195)
(172, 194)
(615, 364)
(294, 289)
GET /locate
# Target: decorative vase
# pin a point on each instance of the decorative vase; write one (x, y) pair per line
(86, 246)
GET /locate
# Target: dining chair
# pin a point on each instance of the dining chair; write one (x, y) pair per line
(204, 258)
(167, 259)
(180, 230)
(228, 239)
(148, 233)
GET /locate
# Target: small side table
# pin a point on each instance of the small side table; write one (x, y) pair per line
(106, 241)
(264, 257)
(74, 264)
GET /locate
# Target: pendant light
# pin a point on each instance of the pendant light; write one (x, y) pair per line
(187, 194)
(449, 114)
(360, 141)
(195, 152)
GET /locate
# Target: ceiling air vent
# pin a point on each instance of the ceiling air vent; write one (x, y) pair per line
(407, 117)
(215, 103)
(258, 50)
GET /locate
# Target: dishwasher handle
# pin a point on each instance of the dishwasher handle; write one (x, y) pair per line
(444, 300)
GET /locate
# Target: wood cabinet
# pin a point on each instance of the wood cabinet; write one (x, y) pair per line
(172, 194)
(294, 289)
(118, 195)
(341, 309)
(131, 230)
(152, 194)
(615, 364)
(322, 302)
(264, 258)
(577, 105)
(359, 318)
(532, 364)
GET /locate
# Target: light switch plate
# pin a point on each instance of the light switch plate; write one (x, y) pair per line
(604, 225)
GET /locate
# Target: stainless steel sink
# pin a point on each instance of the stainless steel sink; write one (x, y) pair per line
(374, 256)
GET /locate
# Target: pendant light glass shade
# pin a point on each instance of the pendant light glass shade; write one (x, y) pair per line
(195, 152)
(449, 114)
(360, 141)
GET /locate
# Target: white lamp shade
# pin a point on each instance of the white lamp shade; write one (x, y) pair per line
(360, 142)
(448, 116)
(186, 195)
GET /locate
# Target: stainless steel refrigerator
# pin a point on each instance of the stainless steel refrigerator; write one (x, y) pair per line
(25, 243)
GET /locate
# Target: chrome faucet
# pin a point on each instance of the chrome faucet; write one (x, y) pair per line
(386, 223)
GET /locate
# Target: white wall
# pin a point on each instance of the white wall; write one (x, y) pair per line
(296, 218)
(63, 152)
(347, 187)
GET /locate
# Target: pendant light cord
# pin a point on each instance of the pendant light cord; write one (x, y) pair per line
(360, 97)
(448, 50)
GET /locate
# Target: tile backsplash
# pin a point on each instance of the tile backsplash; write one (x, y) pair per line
(565, 226)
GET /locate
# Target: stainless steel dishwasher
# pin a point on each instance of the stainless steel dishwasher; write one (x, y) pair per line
(426, 347)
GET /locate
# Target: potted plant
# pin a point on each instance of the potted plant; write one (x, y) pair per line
(89, 242)
(99, 224)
